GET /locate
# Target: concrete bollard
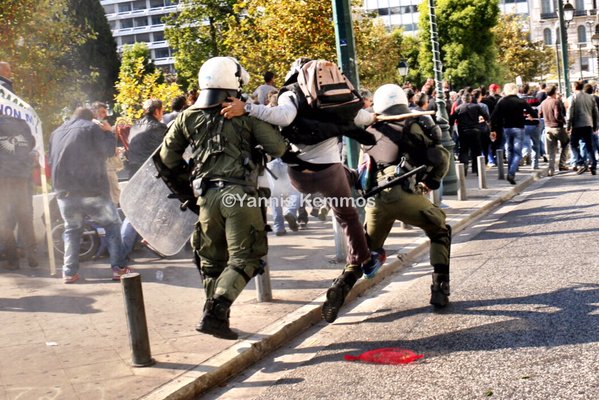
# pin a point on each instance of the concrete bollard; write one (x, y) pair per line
(482, 172)
(136, 321)
(340, 245)
(460, 172)
(500, 169)
(263, 286)
(435, 197)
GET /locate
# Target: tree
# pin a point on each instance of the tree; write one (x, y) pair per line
(274, 33)
(139, 80)
(36, 36)
(518, 55)
(373, 40)
(466, 40)
(97, 58)
(196, 33)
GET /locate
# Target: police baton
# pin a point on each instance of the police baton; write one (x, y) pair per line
(376, 190)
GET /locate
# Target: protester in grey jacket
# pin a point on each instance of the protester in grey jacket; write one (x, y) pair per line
(78, 152)
(582, 121)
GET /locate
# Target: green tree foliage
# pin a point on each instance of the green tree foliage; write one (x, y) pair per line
(372, 41)
(518, 55)
(273, 33)
(466, 40)
(196, 33)
(36, 36)
(139, 80)
(97, 58)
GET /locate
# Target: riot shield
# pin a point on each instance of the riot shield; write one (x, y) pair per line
(157, 218)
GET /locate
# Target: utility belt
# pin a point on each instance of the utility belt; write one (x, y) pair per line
(390, 171)
(202, 185)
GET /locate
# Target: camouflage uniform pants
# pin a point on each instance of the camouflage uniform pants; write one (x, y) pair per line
(232, 240)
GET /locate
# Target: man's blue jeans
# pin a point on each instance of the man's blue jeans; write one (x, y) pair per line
(130, 237)
(102, 211)
(514, 137)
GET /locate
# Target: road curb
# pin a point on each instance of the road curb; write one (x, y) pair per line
(244, 354)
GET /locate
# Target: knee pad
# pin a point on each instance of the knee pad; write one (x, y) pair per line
(443, 238)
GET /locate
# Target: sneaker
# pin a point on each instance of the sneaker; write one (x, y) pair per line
(70, 279)
(581, 170)
(323, 213)
(281, 233)
(377, 260)
(564, 168)
(593, 171)
(302, 225)
(117, 273)
(511, 179)
(491, 164)
(292, 222)
(550, 173)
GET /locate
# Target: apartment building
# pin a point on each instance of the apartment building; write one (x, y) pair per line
(134, 21)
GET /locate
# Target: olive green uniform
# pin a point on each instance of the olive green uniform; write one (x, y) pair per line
(231, 224)
(404, 202)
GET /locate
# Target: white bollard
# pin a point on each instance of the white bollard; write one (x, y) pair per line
(263, 285)
(340, 244)
(482, 172)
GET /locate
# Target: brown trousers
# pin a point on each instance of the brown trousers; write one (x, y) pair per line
(334, 184)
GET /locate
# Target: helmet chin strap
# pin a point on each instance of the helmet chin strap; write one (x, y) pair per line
(238, 75)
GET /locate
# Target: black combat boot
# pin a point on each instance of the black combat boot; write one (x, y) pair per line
(215, 320)
(440, 290)
(336, 295)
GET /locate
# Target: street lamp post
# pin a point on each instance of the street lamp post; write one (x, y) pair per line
(559, 68)
(402, 69)
(595, 42)
(565, 14)
(580, 58)
(450, 185)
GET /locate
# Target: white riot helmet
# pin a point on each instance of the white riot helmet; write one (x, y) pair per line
(219, 78)
(390, 99)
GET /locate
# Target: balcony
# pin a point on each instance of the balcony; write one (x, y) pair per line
(549, 15)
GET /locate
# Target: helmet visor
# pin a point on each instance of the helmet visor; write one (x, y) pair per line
(213, 97)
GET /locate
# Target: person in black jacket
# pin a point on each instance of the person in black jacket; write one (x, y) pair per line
(78, 152)
(509, 117)
(145, 137)
(468, 116)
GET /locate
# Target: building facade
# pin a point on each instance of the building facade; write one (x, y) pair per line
(542, 25)
(582, 54)
(134, 21)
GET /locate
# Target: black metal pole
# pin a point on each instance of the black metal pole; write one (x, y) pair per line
(559, 68)
(136, 321)
(580, 59)
(346, 54)
(563, 29)
(450, 182)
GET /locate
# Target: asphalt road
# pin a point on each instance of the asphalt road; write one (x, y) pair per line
(523, 322)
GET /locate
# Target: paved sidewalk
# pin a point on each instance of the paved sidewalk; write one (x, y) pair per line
(71, 341)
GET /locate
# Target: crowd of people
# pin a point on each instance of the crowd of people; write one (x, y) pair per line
(395, 127)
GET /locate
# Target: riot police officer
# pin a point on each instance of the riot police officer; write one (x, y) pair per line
(231, 224)
(416, 141)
